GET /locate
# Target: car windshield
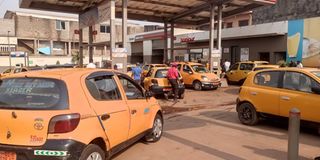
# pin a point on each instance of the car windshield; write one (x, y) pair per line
(317, 73)
(199, 68)
(33, 94)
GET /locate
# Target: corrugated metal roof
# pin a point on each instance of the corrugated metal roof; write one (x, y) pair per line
(153, 10)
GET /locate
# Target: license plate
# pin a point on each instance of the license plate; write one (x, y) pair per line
(167, 89)
(8, 155)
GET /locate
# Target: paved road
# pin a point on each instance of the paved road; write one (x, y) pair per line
(214, 133)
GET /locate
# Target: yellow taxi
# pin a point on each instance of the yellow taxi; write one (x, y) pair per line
(10, 71)
(239, 71)
(74, 114)
(277, 91)
(156, 81)
(197, 75)
(147, 67)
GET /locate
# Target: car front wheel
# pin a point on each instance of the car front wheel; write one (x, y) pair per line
(92, 152)
(157, 130)
(247, 114)
(197, 85)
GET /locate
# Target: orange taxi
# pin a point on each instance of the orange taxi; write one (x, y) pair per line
(157, 82)
(74, 114)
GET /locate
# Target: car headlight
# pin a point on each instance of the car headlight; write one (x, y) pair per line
(205, 78)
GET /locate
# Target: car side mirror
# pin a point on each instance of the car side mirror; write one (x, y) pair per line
(148, 94)
(315, 90)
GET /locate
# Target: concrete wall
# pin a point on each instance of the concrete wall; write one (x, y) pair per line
(235, 19)
(272, 45)
(286, 10)
(7, 25)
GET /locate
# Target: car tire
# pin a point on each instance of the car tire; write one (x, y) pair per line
(247, 114)
(228, 81)
(93, 151)
(181, 96)
(197, 85)
(157, 129)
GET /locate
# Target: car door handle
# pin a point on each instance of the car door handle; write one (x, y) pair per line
(285, 98)
(105, 117)
(253, 93)
(133, 111)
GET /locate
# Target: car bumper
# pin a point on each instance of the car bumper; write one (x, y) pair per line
(65, 150)
(158, 90)
(210, 85)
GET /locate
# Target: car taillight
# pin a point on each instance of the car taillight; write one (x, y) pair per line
(154, 81)
(64, 123)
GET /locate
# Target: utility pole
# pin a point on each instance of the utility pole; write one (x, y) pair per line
(9, 48)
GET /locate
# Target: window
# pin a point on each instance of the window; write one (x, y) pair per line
(132, 90)
(104, 29)
(246, 66)
(33, 94)
(7, 71)
(270, 79)
(229, 25)
(298, 82)
(161, 73)
(186, 68)
(103, 88)
(234, 67)
(179, 67)
(149, 73)
(60, 25)
(243, 23)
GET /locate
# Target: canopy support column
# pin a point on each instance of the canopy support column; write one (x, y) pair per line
(80, 48)
(211, 36)
(172, 41)
(124, 23)
(165, 41)
(90, 44)
(112, 27)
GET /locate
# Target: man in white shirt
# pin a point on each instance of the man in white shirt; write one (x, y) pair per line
(299, 64)
(226, 65)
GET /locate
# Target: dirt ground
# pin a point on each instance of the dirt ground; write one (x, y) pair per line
(205, 126)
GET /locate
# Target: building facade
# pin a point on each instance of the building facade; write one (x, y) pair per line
(286, 10)
(48, 35)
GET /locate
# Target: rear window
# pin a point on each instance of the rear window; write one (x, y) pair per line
(33, 94)
(161, 73)
(246, 66)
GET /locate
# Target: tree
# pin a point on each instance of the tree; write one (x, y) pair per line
(76, 57)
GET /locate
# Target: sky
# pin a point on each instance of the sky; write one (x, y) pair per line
(13, 5)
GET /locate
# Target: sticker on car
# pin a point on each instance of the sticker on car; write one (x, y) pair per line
(50, 153)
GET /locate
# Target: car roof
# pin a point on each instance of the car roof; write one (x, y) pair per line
(157, 68)
(191, 63)
(268, 65)
(58, 73)
(292, 69)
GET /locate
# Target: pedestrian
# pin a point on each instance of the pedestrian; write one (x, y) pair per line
(115, 67)
(299, 64)
(292, 64)
(136, 73)
(226, 65)
(91, 65)
(173, 77)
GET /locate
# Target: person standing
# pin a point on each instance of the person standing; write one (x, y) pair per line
(136, 73)
(173, 77)
(299, 64)
(226, 65)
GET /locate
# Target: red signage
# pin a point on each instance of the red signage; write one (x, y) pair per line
(187, 39)
(76, 31)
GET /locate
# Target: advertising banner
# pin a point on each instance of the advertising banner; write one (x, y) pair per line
(303, 43)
